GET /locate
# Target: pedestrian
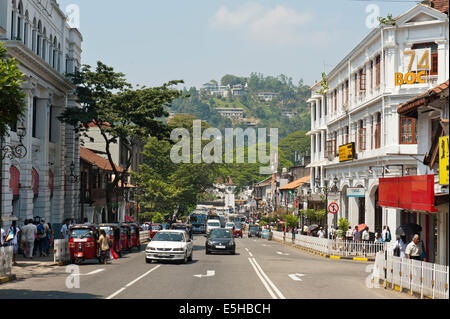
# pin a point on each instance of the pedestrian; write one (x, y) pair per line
(305, 230)
(355, 234)
(36, 239)
(29, 233)
(414, 248)
(331, 232)
(49, 238)
(104, 246)
(321, 233)
(387, 236)
(349, 233)
(11, 239)
(2, 237)
(400, 247)
(65, 229)
(365, 235)
(42, 234)
(378, 238)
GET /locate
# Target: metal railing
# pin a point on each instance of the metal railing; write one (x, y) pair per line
(426, 279)
(334, 246)
(6, 254)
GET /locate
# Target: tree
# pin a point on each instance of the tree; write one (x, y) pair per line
(12, 97)
(158, 218)
(291, 220)
(121, 113)
(170, 186)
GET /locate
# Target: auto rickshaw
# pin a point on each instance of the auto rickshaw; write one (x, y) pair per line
(135, 236)
(125, 236)
(83, 243)
(154, 229)
(113, 233)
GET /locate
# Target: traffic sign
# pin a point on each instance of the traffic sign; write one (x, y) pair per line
(333, 208)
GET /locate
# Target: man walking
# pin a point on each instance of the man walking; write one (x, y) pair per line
(414, 248)
(42, 233)
(321, 233)
(65, 229)
(29, 232)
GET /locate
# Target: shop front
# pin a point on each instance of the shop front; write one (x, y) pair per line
(415, 197)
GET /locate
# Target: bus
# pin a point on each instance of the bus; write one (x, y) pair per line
(236, 218)
(198, 221)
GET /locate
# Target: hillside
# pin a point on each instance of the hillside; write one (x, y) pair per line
(286, 109)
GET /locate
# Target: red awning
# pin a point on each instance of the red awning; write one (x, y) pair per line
(14, 180)
(408, 192)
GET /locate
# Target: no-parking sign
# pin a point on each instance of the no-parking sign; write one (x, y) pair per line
(333, 208)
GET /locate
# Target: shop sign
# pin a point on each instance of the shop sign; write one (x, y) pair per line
(356, 192)
(347, 152)
(443, 160)
(416, 65)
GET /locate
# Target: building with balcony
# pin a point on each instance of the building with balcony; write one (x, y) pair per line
(37, 35)
(232, 113)
(392, 64)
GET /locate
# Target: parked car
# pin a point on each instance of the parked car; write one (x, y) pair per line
(254, 230)
(212, 224)
(170, 245)
(220, 240)
(237, 232)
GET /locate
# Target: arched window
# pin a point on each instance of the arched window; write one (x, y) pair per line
(44, 44)
(33, 36)
(59, 57)
(55, 43)
(19, 20)
(25, 28)
(13, 20)
(39, 39)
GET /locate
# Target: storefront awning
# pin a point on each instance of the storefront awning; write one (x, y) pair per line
(295, 184)
(408, 192)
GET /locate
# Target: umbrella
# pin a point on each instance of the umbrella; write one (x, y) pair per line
(361, 227)
(129, 219)
(408, 229)
(313, 227)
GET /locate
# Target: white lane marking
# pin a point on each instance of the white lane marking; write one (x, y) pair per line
(131, 283)
(262, 279)
(264, 245)
(284, 254)
(93, 272)
(246, 249)
(268, 280)
(251, 255)
(296, 277)
(209, 273)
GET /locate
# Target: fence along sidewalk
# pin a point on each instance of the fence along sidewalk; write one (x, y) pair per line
(425, 279)
(337, 247)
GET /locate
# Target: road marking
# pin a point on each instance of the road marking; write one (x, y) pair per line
(209, 273)
(267, 245)
(93, 272)
(251, 255)
(296, 277)
(262, 279)
(284, 254)
(268, 280)
(246, 249)
(131, 283)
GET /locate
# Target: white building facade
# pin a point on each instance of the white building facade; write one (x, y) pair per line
(45, 47)
(360, 106)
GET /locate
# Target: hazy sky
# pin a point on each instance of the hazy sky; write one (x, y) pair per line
(154, 41)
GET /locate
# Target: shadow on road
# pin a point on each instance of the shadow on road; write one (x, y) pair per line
(36, 294)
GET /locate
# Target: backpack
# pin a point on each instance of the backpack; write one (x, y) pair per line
(40, 229)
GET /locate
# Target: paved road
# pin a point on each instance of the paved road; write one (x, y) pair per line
(259, 270)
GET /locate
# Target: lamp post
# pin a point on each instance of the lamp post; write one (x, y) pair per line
(9, 151)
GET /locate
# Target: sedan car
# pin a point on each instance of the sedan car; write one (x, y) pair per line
(229, 225)
(170, 245)
(220, 240)
(254, 230)
(237, 232)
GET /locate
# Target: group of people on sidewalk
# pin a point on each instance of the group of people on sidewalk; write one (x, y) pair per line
(31, 238)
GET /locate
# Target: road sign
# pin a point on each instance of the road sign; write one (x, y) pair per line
(347, 152)
(333, 208)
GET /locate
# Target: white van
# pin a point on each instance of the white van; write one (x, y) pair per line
(211, 224)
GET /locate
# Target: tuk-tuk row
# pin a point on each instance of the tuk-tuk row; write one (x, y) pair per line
(83, 240)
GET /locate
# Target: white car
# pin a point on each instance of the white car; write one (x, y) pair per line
(229, 225)
(212, 224)
(170, 245)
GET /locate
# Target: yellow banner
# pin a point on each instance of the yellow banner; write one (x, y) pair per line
(443, 160)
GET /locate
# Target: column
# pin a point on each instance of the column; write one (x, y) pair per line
(42, 203)
(443, 57)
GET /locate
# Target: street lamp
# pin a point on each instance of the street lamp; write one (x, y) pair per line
(18, 151)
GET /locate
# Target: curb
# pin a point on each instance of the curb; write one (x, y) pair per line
(364, 259)
(6, 279)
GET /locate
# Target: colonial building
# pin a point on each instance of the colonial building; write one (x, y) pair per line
(356, 111)
(46, 47)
